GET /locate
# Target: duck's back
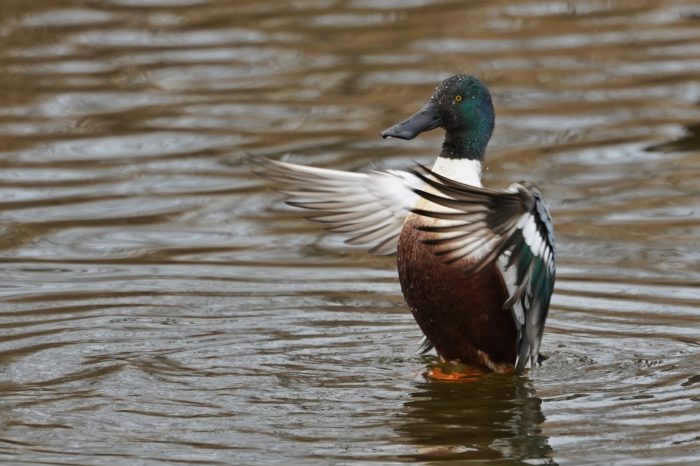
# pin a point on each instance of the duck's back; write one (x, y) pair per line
(463, 317)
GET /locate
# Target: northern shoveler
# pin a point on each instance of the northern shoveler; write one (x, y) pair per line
(476, 265)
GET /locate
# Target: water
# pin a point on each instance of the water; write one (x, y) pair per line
(159, 305)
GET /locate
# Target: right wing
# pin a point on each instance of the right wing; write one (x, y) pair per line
(368, 207)
(515, 227)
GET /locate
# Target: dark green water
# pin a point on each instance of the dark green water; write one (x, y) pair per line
(159, 306)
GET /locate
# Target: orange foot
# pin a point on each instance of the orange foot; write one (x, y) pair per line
(454, 372)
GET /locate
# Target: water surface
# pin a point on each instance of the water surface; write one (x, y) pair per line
(159, 305)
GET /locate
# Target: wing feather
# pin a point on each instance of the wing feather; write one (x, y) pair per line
(369, 208)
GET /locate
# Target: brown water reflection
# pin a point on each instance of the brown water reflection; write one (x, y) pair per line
(496, 419)
(160, 306)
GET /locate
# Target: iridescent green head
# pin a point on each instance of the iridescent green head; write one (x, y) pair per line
(462, 106)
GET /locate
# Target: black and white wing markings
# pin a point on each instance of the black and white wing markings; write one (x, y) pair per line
(513, 226)
(368, 207)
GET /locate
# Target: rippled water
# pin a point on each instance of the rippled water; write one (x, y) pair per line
(160, 306)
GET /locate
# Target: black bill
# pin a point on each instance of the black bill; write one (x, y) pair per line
(425, 119)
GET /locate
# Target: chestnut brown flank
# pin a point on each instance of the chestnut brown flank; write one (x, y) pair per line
(461, 316)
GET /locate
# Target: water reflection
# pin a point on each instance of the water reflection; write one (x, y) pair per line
(688, 142)
(496, 417)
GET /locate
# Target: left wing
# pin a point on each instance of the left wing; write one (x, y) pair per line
(369, 208)
(512, 225)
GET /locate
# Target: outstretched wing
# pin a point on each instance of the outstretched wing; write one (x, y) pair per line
(515, 227)
(368, 207)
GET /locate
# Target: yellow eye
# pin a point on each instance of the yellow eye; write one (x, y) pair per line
(458, 98)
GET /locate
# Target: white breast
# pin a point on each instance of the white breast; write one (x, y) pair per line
(462, 170)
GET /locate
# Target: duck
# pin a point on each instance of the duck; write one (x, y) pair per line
(476, 265)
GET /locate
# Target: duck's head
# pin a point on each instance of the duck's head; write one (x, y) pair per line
(462, 106)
